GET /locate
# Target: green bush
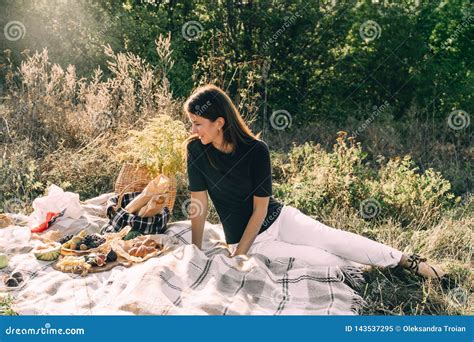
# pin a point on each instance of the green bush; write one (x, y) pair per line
(411, 196)
(19, 178)
(316, 181)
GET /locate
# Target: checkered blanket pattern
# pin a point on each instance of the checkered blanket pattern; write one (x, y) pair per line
(186, 281)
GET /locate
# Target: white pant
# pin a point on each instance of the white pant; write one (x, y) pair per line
(297, 235)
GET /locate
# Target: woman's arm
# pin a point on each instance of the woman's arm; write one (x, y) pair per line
(198, 213)
(260, 208)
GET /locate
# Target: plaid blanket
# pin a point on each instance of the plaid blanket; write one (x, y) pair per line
(121, 218)
(184, 281)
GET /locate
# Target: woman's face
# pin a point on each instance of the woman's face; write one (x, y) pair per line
(206, 130)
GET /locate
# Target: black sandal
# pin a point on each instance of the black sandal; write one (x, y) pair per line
(446, 281)
(414, 265)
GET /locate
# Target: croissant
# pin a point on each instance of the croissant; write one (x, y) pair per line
(150, 250)
(149, 243)
(141, 251)
(133, 251)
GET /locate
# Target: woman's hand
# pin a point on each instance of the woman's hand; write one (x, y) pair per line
(234, 254)
(242, 256)
(231, 254)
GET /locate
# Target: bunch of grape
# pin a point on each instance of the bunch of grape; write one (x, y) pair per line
(93, 240)
(65, 239)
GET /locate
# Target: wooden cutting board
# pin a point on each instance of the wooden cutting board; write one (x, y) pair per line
(96, 269)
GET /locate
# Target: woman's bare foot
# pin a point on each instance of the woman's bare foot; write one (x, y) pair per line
(419, 266)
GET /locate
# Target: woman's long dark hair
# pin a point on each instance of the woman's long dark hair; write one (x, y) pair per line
(211, 102)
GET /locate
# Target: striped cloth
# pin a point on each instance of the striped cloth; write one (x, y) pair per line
(121, 218)
(214, 284)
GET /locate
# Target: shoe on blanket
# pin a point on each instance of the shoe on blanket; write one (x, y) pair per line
(418, 265)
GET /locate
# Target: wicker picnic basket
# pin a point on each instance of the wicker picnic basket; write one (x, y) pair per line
(134, 178)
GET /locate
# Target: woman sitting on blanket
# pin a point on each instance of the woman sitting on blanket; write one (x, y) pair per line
(227, 160)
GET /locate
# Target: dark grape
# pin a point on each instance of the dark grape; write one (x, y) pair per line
(18, 276)
(93, 240)
(112, 256)
(11, 282)
(65, 239)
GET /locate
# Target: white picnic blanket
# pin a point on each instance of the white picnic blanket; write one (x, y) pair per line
(186, 281)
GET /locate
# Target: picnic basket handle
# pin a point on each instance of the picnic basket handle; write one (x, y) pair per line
(122, 193)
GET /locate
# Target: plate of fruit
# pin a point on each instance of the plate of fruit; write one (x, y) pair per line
(48, 251)
(81, 243)
(90, 263)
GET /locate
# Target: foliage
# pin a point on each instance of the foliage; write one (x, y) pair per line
(410, 195)
(20, 180)
(158, 146)
(316, 181)
(58, 128)
(6, 302)
(319, 66)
